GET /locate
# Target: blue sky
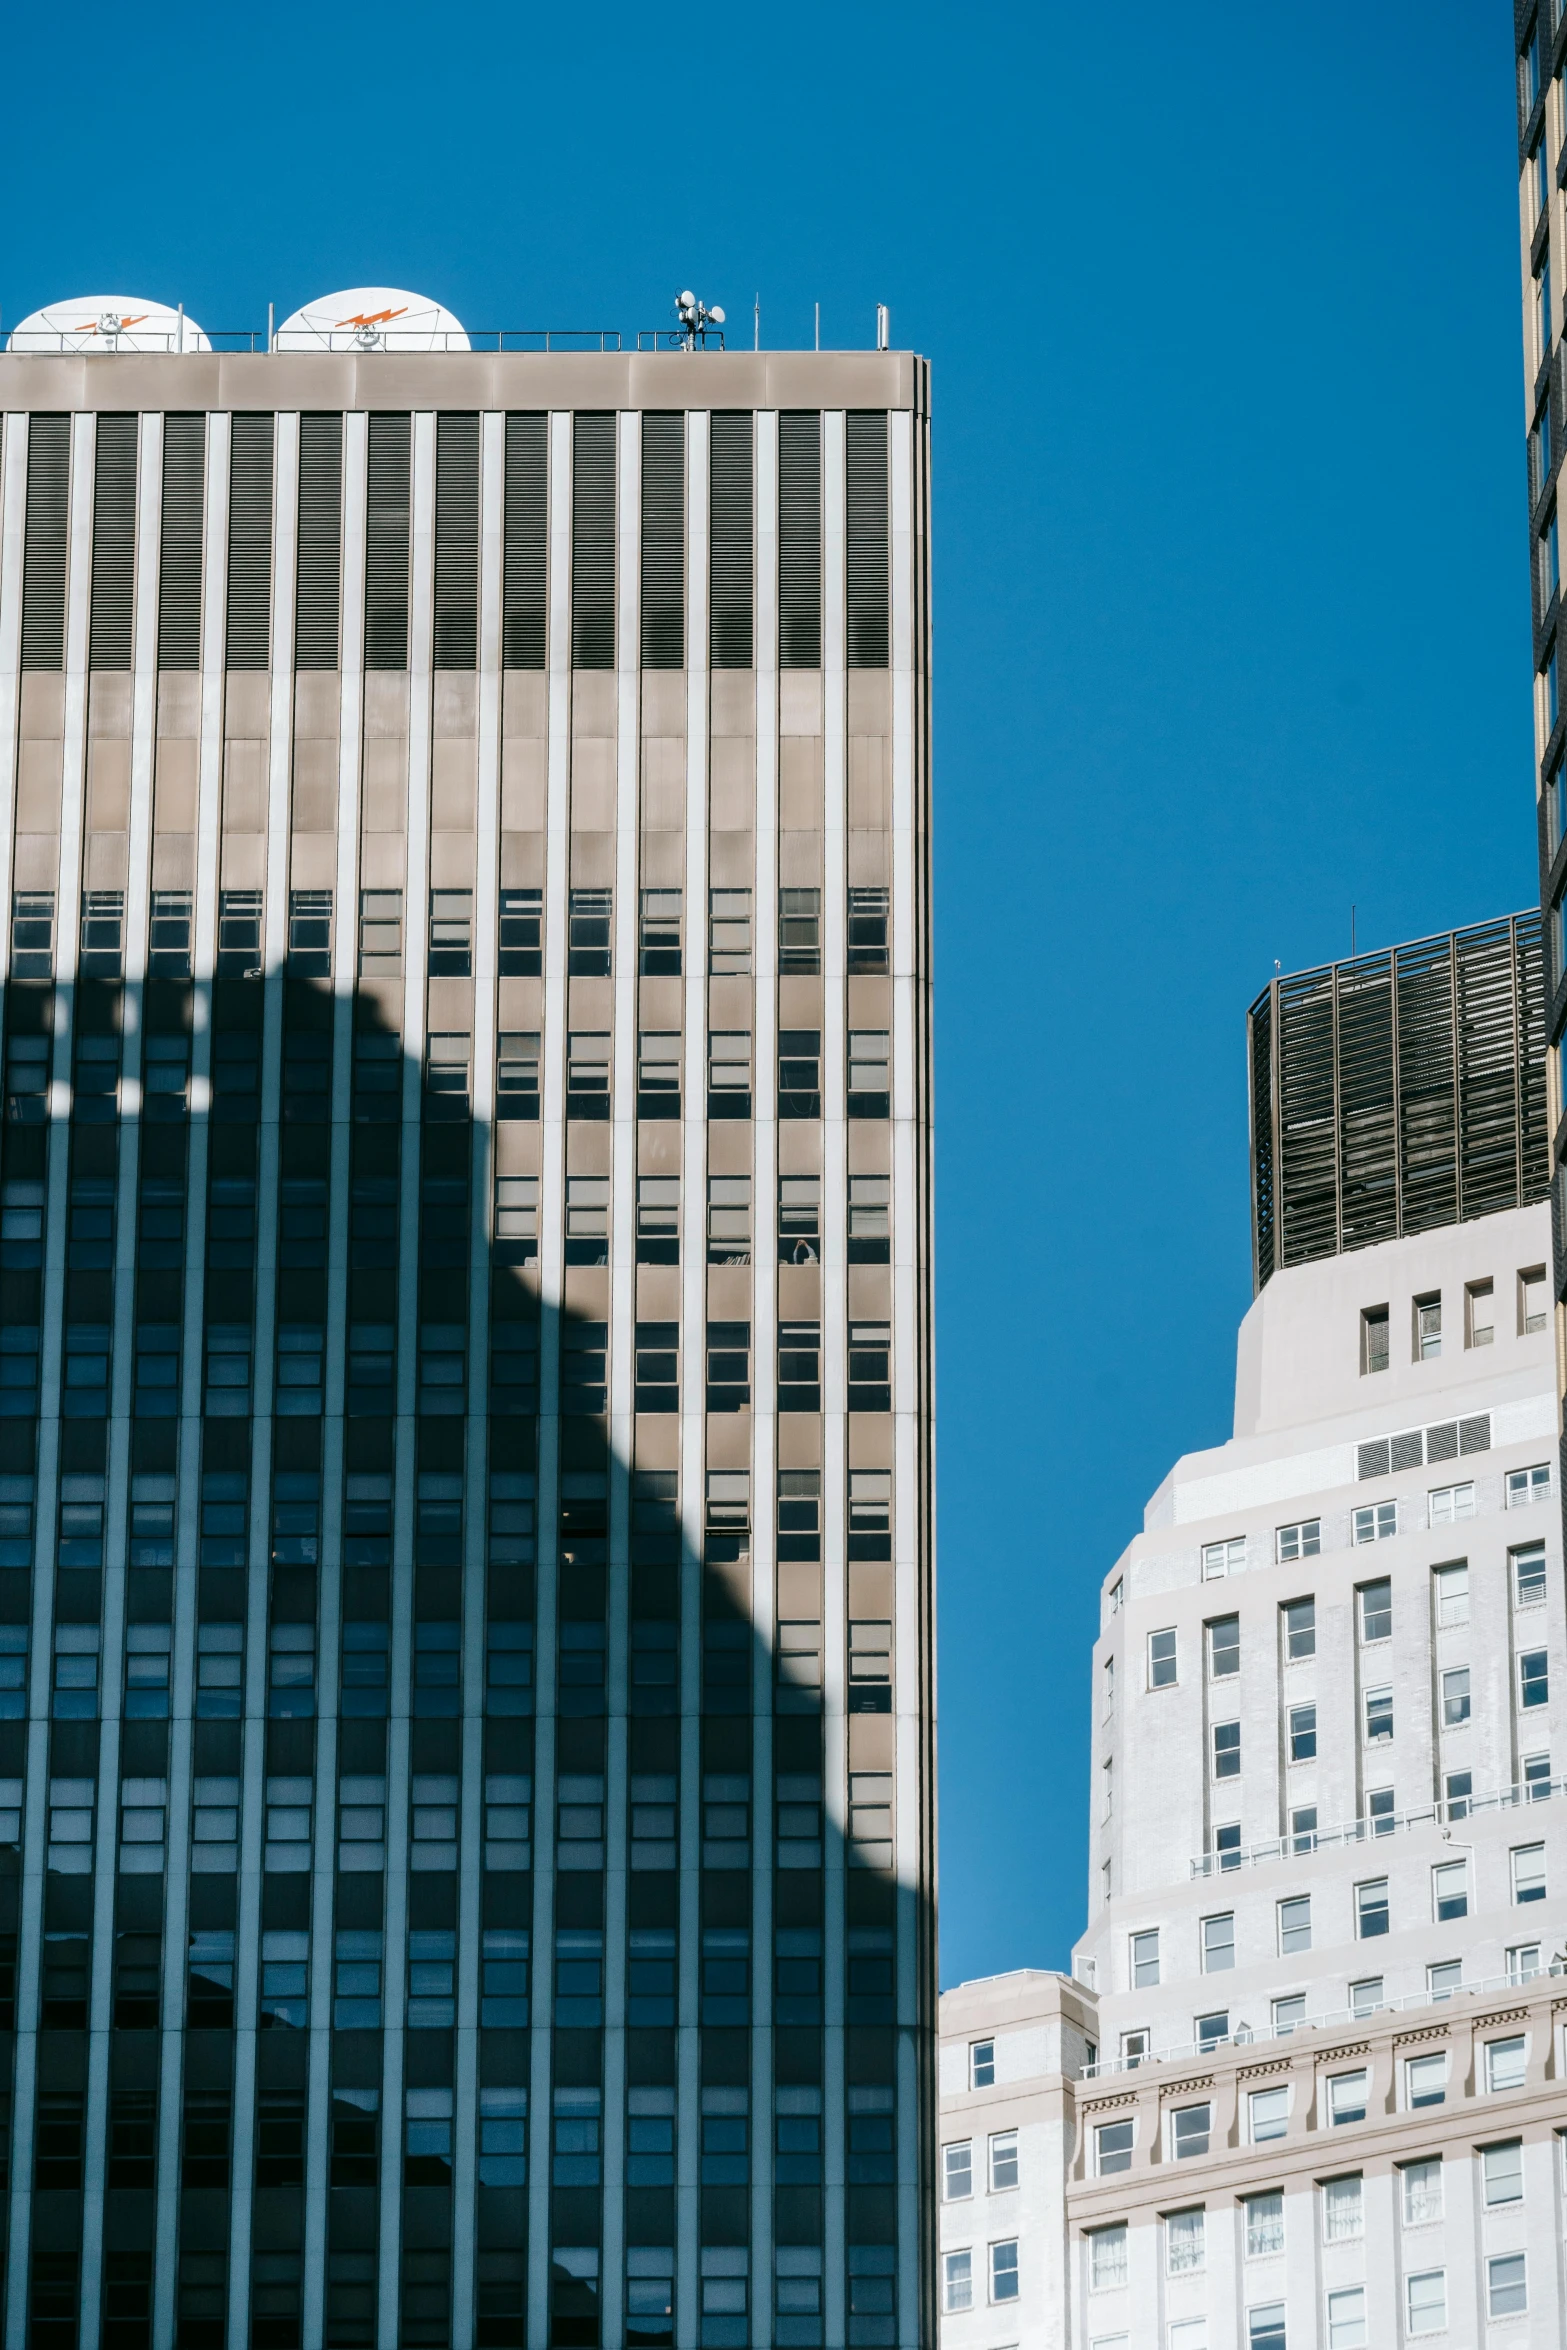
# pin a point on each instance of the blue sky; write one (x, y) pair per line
(1231, 596)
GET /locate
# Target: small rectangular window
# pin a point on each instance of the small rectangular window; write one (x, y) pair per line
(1191, 2131)
(957, 2172)
(1502, 2168)
(1507, 2062)
(1425, 2081)
(1294, 1924)
(1507, 2284)
(1373, 1339)
(1303, 1732)
(1455, 1697)
(1145, 1958)
(1422, 2193)
(1218, 1943)
(520, 939)
(729, 932)
(590, 914)
(1003, 2162)
(1224, 1647)
(1425, 2297)
(380, 933)
(1269, 2115)
(1300, 1628)
(1376, 1522)
(1428, 1327)
(957, 2281)
(1343, 2210)
(1301, 1541)
(1479, 1313)
(1451, 1586)
(1185, 2246)
(1107, 2258)
(981, 2064)
(867, 937)
(1113, 2148)
(1528, 1565)
(1534, 1678)
(800, 931)
(1223, 1558)
(1379, 1715)
(1161, 1660)
(1264, 2225)
(1371, 1912)
(1447, 1504)
(1226, 1750)
(659, 943)
(1347, 2094)
(1376, 1611)
(1533, 1301)
(1527, 1486)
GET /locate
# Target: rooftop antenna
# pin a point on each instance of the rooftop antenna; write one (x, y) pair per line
(179, 328)
(756, 323)
(818, 326)
(271, 338)
(697, 320)
(883, 327)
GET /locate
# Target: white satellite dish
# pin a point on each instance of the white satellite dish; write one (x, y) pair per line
(107, 323)
(372, 318)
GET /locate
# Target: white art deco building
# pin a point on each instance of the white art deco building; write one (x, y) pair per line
(1305, 2090)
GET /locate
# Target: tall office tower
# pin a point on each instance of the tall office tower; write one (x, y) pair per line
(1306, 2088)
(464, 1340)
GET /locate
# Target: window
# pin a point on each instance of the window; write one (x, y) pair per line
(1294, 1924)
(799, 1219)
(869, 1083)
(981, 2064)
(1455, 1697)
(1303, 1828)
(1449, 1503)
(1502, 2170)
(1450, 1891)
(1265, 2327)
(1226, 1750)
(589, 915)
(1161, 1660)
(1343, 2209)
(1184, 2243)
(451, 933)
(587, 1074)
(1425, 2296)
(1376, 1522)
(1528, 1565)
(1528, 1872)
(1537, 1778)
(1288, 2014)
(870, 1367)
(1303, 1733)
(1211, 2031)
(1371, 1909)
(1422, 2193)
(659, 948)
(1525, 1486)
(1270, 2114)
(1534, 1678)
(1373, 1339)
(520, 941)
(1300, 1628)
(587, 1219)
(1303, 1541)
(1507, 2062)
(957, 2172)
(1365, 1997)
(729, 1073)
(1113, 2148)
(517, 1075)
(1003, 2162)
(1428, 1327)
(1425, 2081)
(380, 933)
(1106, 2258)
(1145, 1958)
(1191, 2127)
(957, 2280)
(1347, 2093)
(799, 930)
(1223, 1558)
(1379, 1714)
(729, 1219)
(1264, 2225)
(1224, 1647)
(1506, 2284)
(1379, 1810)
(169, 939)
(1003, 2272)
(658, 1219)
(1218, 1943)
(1533, 1300)
(1347, 2319)
(870, 1199)
(1479, 1313)
(1523, 1962)
(867, 940)
(1451, 1585)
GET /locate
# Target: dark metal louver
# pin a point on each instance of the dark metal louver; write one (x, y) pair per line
(866, 522)
(524, 612)
(663, 541)
(386, 542)
(179, 547)
(799, 539)
(731, 523)
(1397, 1093)
(248, 633)
(319, 586)
(113, 544)
(456, 541)
(593, 542)
(44, 542)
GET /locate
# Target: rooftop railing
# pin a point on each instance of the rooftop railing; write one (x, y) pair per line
(1300, 1844)
(295, 342)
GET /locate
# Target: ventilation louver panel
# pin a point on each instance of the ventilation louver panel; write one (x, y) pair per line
(179, 542)
(865, 517)
(113, 544)
(319, 590)
(387, 542)
(593, 542)
(799, 539)
(663, 541)
(730, 627)
(44, 542)
(456, 541)
(248, 637)
(524, 616)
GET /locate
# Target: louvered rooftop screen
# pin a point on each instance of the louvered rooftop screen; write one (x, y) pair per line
(1398, 1092)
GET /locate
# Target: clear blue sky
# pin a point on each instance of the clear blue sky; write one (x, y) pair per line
(1230, 588)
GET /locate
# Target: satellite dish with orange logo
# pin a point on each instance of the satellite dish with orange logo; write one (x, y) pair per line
(106, 323)
(372, 318)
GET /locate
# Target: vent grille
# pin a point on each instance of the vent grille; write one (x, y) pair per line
(866, 524)
(248, 636)
(1413, 1448)
(179, 547)
(456, 541)
(113, 544)
(593, 543)
(800, 539)
(319, 588)
(1398, 1093)
(43, 548)
(730, 623)
(663, 541)
(386, 542)
(524, 618)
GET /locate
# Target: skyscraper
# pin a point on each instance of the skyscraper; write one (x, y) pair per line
(465, 1552)
(1305, 2086)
